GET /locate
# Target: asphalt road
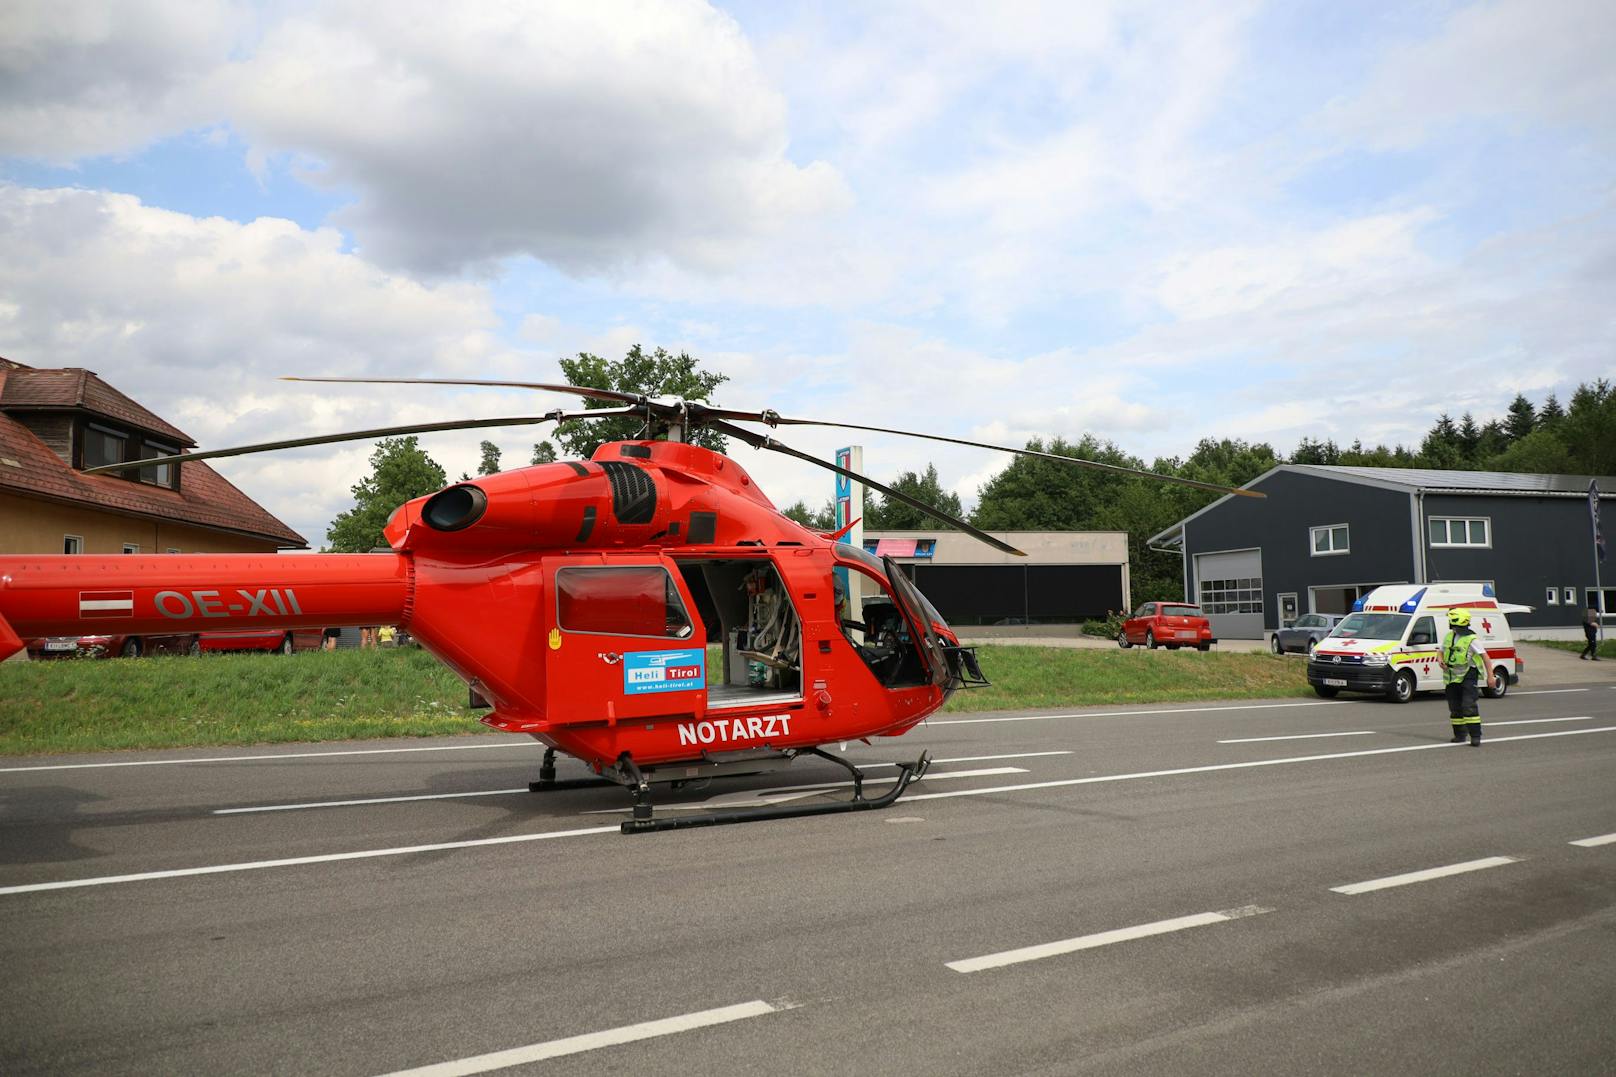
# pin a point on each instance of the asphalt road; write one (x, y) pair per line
(1140, 890)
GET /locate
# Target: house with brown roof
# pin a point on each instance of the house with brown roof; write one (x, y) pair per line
(56, 423)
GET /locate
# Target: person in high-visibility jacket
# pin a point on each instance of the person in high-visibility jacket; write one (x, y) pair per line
(1464, 668)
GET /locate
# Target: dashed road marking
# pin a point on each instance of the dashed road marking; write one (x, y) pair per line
(1102, 938)
(1062, 783)
(1300, 736)
(593, 1041)
(1540, 721)
(1424, 876)
(1589, 843)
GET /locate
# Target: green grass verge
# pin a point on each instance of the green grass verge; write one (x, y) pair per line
(1042, 677)
(160, 702)
(1607, 647)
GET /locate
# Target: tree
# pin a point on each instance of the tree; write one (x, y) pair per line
(399, 470)
(1550, 414)
(544, 453)
(489, 465)
(823, 519)
(889, 514)
(1469, 438)
(1441, 447)
(656, 374)
(1522, 418)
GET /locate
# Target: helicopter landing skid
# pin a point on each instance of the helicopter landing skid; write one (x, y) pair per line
(643, 822)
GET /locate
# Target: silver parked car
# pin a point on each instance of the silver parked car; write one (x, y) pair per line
(1304, 633)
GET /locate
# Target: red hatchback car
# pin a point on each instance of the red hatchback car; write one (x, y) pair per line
(1167, 624)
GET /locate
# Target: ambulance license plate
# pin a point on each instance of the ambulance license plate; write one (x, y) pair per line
(1334, 682)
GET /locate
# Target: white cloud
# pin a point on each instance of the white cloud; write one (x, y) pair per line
(84, 78)
(1510, 64)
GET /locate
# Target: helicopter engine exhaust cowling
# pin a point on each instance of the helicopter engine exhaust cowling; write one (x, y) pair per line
(455, 508)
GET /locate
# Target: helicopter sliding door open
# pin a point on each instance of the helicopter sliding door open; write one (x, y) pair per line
(750, 614)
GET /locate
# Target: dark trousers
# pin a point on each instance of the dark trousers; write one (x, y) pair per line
(1593, 641)
(1463, 711)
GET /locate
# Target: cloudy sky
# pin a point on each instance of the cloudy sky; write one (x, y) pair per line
(1151, 222)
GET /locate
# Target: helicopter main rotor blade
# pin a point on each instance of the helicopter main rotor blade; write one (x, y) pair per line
(588, 392)
(761, 441)
(772, 418)
(361, 435)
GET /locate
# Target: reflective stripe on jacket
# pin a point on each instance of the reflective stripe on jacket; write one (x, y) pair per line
(1459, 658)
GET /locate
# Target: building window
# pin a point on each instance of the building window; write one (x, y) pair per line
(1569, 596)
(1330, 539)
(1243, 595)
(1460, 531)
(72, 544)
(103, 446)
(171, 549)
(131, 547)
(1554, 596)
(158, 474)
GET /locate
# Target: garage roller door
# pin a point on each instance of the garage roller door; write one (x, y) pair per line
(1229, 588)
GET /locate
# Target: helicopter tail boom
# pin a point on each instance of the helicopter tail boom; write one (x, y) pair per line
(174, 593)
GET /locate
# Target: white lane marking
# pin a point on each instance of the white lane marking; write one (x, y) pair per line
(1300, 736)
(1589, 843)
(1134, 714)
(69, 884)
(761, 798)
(1540, 721)
(990, 790)
(592, 1041)
(507, 792)
(327, 858)
(271, 758)
(972, 758)
(1548, 691)
(1424, 876)
(1102, 938)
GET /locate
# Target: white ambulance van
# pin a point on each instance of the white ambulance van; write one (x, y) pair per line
(1391, 642)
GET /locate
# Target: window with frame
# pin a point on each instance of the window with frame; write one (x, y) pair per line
(1239, 595)
(1329, 539)
(1554, 596)
(131, 547)
(1568, 596)
(103, 446)
(1459, 531)
(72, 544)
(621, 600)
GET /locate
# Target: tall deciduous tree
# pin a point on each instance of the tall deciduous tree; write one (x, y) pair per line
(655, 374)
(821, 519)
(544, 453)
(889, 514)
(399, 470)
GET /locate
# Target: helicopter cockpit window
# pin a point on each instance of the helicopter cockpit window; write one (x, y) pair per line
(628, 600)
(876, 627)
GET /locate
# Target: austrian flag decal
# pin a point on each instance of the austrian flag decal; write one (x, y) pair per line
(101, 604)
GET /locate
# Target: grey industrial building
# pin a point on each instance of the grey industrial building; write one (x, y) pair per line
(1324, 535)
(1067, 576)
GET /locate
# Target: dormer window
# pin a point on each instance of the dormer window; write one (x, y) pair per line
(105, 445)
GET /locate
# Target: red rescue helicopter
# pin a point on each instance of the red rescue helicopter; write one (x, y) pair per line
(578, 598)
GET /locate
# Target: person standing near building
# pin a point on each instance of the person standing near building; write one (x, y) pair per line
(1590, 628)
(1464, 667)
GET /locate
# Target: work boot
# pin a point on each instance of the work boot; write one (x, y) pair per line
(1458, 734)
(1475, 736)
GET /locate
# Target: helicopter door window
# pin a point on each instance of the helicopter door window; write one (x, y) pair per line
(630, 600)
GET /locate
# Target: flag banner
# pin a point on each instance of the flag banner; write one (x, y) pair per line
(1593, 518)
